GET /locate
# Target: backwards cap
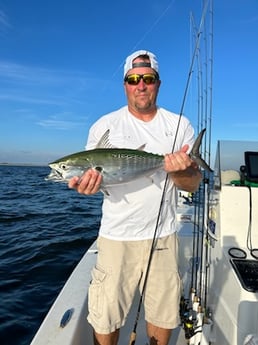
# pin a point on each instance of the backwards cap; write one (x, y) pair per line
(129, 61)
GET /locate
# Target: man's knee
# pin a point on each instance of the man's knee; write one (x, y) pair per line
(106, 339)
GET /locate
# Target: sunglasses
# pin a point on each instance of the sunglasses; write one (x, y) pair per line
(148, 78)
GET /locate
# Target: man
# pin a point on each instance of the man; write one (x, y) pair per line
(130, 211)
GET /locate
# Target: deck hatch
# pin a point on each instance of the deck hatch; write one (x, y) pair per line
(247, 272)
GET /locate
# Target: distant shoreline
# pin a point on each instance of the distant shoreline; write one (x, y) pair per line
(24, 164)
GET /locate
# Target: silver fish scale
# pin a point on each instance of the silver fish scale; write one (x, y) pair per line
(121, 167)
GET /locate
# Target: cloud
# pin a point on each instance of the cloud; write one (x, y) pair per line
(4, 21)
(32, 84)
(30, 99)
(43, 86)
(62, 121)
(10, 71)
(58, 124)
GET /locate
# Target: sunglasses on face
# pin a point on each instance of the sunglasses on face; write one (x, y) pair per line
(148, 78)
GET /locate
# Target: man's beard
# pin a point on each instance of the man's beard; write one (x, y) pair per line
(144, 106)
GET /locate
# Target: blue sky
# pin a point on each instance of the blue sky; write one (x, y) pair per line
(61, 66)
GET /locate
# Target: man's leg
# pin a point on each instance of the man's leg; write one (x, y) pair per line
(163, 291)
(158, 335)
(106, 339)
(108, 308)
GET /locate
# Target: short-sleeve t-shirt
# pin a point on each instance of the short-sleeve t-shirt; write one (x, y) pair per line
(130, 211)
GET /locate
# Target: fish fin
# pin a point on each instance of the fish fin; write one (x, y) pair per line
(196, 146)
(141, 148)
(195, 152)
(202, 163)
(104, 141)
(104, 191)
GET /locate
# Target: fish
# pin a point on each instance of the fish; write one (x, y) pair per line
(116, 165)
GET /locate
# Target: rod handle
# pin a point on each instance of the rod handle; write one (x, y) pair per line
(132, 338)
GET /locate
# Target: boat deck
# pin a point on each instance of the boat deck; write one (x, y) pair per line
(78, 331)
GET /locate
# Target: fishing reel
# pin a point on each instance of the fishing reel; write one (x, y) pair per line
(188, 327)
(191, 327)
(189, 319)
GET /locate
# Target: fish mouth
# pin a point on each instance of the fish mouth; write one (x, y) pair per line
(54, 175)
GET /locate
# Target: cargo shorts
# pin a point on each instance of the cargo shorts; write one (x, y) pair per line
(120, 270)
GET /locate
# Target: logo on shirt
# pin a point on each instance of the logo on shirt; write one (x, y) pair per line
(169, 133)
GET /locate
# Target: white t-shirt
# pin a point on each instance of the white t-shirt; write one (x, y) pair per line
(130, 211)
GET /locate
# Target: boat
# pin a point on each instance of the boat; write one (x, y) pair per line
(229, 311)
(233, 262)
(218, 259)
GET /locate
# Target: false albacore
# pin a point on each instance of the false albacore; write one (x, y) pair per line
(116, 165)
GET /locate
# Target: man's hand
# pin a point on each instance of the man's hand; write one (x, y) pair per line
(88, 184)
(178, 161)
(183, 170)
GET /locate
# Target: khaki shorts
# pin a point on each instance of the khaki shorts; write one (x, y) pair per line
(119, 272)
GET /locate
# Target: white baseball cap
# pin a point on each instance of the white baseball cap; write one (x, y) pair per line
(129, 61)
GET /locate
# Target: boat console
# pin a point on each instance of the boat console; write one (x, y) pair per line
(233, 285)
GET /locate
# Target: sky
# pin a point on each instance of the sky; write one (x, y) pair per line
(61, 68)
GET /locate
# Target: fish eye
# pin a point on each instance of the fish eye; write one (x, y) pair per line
(99, 169)
(63, 166)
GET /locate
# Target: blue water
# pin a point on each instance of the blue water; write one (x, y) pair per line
(45, 228)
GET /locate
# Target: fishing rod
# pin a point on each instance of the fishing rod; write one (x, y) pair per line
(197, 322)
(204, 269)
(208, 119)
(133, 333)
(196, 234)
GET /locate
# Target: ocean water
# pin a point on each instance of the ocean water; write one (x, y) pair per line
(45, 228)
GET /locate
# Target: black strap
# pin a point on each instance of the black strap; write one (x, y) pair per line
(141, 64)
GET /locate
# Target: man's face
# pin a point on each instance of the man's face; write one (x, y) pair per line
(141, 97)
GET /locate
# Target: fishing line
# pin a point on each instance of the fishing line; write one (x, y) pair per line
(249, 232)
(120, 66)
(133, 334)
(154, 24)
(253, 252)
(147, 33)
